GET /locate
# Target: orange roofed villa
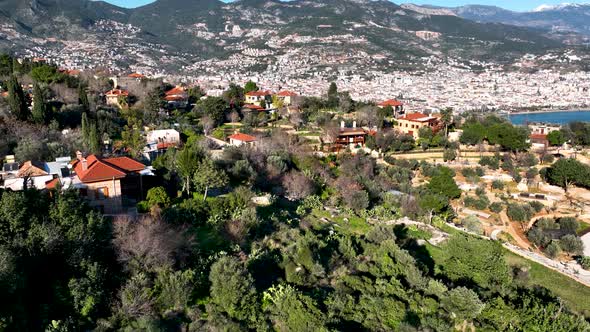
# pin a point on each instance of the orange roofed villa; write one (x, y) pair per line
(113, 97)
(109, 184)
(396, 105)
(411, 124)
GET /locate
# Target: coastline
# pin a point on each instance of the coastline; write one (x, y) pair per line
(547, 111)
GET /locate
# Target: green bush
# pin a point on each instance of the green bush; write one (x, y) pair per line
(496, 207)
(498, 185)
(553, 249)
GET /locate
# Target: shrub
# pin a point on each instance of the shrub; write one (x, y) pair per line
(491, 162)
(536, 206)
(496, 207)
(518, 212)
(479, 171)
(572, 244)
(568, 224)
(585, 262)
(498, 185)
(472, 224)
(552, 249)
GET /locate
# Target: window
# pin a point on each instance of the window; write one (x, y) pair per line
(102, 193)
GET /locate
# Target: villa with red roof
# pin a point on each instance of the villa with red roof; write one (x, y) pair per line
(398, 106)
(114, 96)
(287, 97)
(105, 181)
(176, 97)
(239, 139)
(411, 123)
(257, 97)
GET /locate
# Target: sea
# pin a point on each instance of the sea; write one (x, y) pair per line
(558, 117)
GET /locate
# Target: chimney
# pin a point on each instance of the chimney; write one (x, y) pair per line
(341, 124)
(84, 164)
(79, 155)
(353, 124)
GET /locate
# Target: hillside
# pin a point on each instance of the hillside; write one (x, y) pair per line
(559, 19)
(173, 33)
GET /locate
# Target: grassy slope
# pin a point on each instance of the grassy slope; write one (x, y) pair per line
(576, 295)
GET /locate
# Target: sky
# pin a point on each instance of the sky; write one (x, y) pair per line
(518, 5)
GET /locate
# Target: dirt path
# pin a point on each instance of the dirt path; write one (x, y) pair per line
(515, 231)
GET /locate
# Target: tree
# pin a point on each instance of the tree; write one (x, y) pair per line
(250, 87)
(175, 289)
(158, 196)
(16, 100)
(83, 98)
(187, 162)
(572, 244)
(477, 260)
(147, 245)
(444, 184)
(214, 108)
(298, 186)
(567, 172)
(446, 119)
(553, 249)
(39, 113)
(208, 175)
(292, 311)
(133, 140)
(233, 96)
(556, 138)
(433, 203)
(462, 303)
(449, 155)
(151, 107)
(333, 95)
(232, 289)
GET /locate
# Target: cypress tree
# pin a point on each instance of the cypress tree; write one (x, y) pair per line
(39, 107)
(16, 100)
(83, 98)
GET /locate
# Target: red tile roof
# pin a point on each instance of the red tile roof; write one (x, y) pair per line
(258, 93)
(287, 94)
(117, 92)
(175, 91)
(539, 136)
(52, 184)
(31, 168)
(254, 107)
(135, 75)
(417, 117)
(98, 169)
(242, 137)
(391, 102)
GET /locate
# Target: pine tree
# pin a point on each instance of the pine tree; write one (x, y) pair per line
(39, 106)
(16, 100)
(83, 98)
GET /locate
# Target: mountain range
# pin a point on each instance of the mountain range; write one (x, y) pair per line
(190, 30)
(564, 18)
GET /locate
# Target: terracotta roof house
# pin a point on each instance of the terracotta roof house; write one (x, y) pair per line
(136, 75)
(411, 123)
(252, 107)
(390, 102)
(113, 96)
(287, 97)
(158, 141)
(239, 139)
(106, 181)
(176, 97)
(257, 97)
(398, 106)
